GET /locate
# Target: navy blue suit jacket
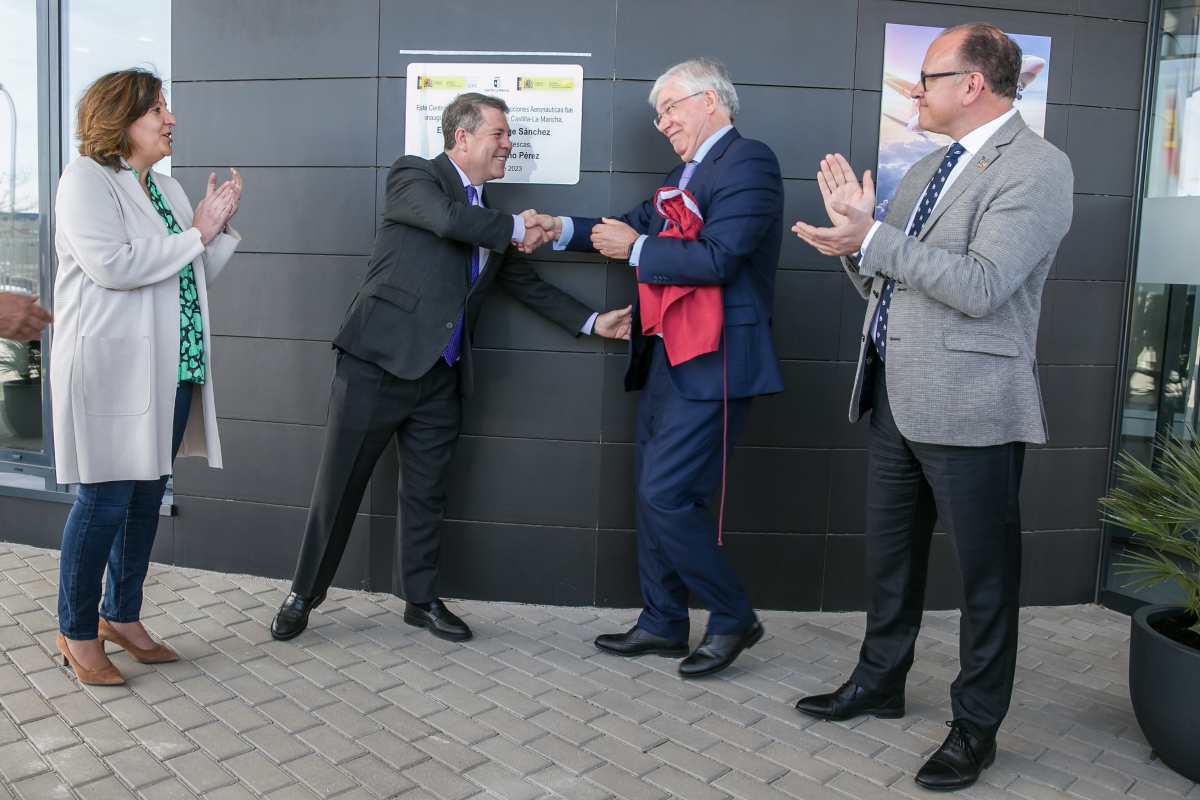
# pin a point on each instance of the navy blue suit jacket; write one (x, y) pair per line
(740, 193)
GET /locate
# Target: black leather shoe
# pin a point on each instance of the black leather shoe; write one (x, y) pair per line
(718, 651)
(292, 617)
(639, 642)
(852, 700)
(958, 762)
(440, 621)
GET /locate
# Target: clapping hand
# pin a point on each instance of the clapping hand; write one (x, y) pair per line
(21, 318)
(614, 324)
(218, 205)
(613, 238)
(850, 208)
(539, 229)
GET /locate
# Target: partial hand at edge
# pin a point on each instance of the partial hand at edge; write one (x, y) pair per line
(614, 324)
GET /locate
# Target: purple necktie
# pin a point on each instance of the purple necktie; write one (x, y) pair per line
(454, 346)
(687, 173)
(928, 201)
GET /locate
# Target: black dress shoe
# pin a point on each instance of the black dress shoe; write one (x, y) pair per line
(639, 642)
(292, 617)
(852, 700)
(440, 621)
(718, 651)
(958, 762)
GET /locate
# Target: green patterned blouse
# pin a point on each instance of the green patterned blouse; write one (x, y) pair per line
(191, 323)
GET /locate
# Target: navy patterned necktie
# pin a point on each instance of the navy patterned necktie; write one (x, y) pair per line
(454, 346)
(928, 201)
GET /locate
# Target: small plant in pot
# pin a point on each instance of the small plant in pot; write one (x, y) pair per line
(1161, 508)
(20, 387)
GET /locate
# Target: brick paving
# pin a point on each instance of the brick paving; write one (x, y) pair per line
(363, 706)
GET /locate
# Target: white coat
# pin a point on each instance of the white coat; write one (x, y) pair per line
(114, 363)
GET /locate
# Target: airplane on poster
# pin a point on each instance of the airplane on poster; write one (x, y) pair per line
(1031, 67)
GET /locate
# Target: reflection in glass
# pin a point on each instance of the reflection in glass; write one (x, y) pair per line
(20, 223)
(1163, 355)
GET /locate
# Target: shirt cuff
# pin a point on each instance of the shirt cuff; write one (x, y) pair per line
(568, 232)
(635, 255)
(862, 250)
(590, 325)
(518, 228)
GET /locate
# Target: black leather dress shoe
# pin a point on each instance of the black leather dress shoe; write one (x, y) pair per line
(959, 761)
(718, 651)
(852, 700)
(640, 642)
(292, 617)
(439, 620)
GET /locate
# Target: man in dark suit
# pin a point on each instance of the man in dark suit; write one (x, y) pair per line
(404, 357)
(689, 414)
(953, 280)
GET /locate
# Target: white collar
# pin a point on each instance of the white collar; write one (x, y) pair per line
(974, 141)
(462, 176)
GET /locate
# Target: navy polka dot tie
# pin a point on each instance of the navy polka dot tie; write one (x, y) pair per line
(928, 201)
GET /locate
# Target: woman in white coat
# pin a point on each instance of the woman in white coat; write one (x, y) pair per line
(130, 375)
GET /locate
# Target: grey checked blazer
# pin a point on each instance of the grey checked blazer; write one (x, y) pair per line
(962, 328)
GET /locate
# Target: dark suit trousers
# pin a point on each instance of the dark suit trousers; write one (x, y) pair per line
(974, 492)
(368, 405)
(677, 469)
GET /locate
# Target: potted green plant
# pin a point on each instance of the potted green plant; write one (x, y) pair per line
(1161, 508)
(20, 387)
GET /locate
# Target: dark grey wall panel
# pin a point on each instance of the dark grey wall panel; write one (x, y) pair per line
(1097, 246)
(300, 210)
(807, 314)
(811, 412)
(1081, 322)
(1110, 56)
(1135, 10)
(506, 323)
(1057, 566)
(589, 197)
(255, 539)
(775, 42)
(1102, 143)
(518, 26)
(619, 406)
(802, 201)
(1078, 404)
(616, 486)
(616, 569)
(777, 490)
(292, 296)
(32, 522)
(531, 481)
(875, 14)
(848, 491)
(272, 380)
(1060, 487)
(227, 39)
(537, 395)
(556, 565)
(596, 135)
(788, 570)
(272, 123)
(265, 462)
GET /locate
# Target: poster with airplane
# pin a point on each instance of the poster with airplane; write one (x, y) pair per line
(902, 142)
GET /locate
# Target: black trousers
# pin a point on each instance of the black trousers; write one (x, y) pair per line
(974, 492)
(367, 406)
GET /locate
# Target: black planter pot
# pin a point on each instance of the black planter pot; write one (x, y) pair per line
(1163, 676)
(23, 407)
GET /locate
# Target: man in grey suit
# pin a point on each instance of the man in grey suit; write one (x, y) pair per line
(953, 280)
(405, 358)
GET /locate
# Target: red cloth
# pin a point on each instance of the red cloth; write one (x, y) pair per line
(690, 318)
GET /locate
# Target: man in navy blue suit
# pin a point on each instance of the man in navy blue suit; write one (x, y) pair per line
(685, 411)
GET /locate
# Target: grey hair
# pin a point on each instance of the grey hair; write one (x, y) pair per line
(698, 75)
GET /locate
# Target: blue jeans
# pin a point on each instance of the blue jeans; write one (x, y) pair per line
(113, 524)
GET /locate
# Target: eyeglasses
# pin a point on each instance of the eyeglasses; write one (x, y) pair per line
(670, 108)
(927, 75)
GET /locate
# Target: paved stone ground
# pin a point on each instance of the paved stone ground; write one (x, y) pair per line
(363, 706)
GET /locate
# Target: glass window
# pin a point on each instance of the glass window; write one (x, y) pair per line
(20, 226)
(101, 36)
(1163, 356)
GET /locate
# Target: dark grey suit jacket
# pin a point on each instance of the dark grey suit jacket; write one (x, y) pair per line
(418, 281)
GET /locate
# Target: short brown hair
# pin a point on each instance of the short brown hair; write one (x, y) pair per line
(463, 112)
(990, 51)
(108, 107)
